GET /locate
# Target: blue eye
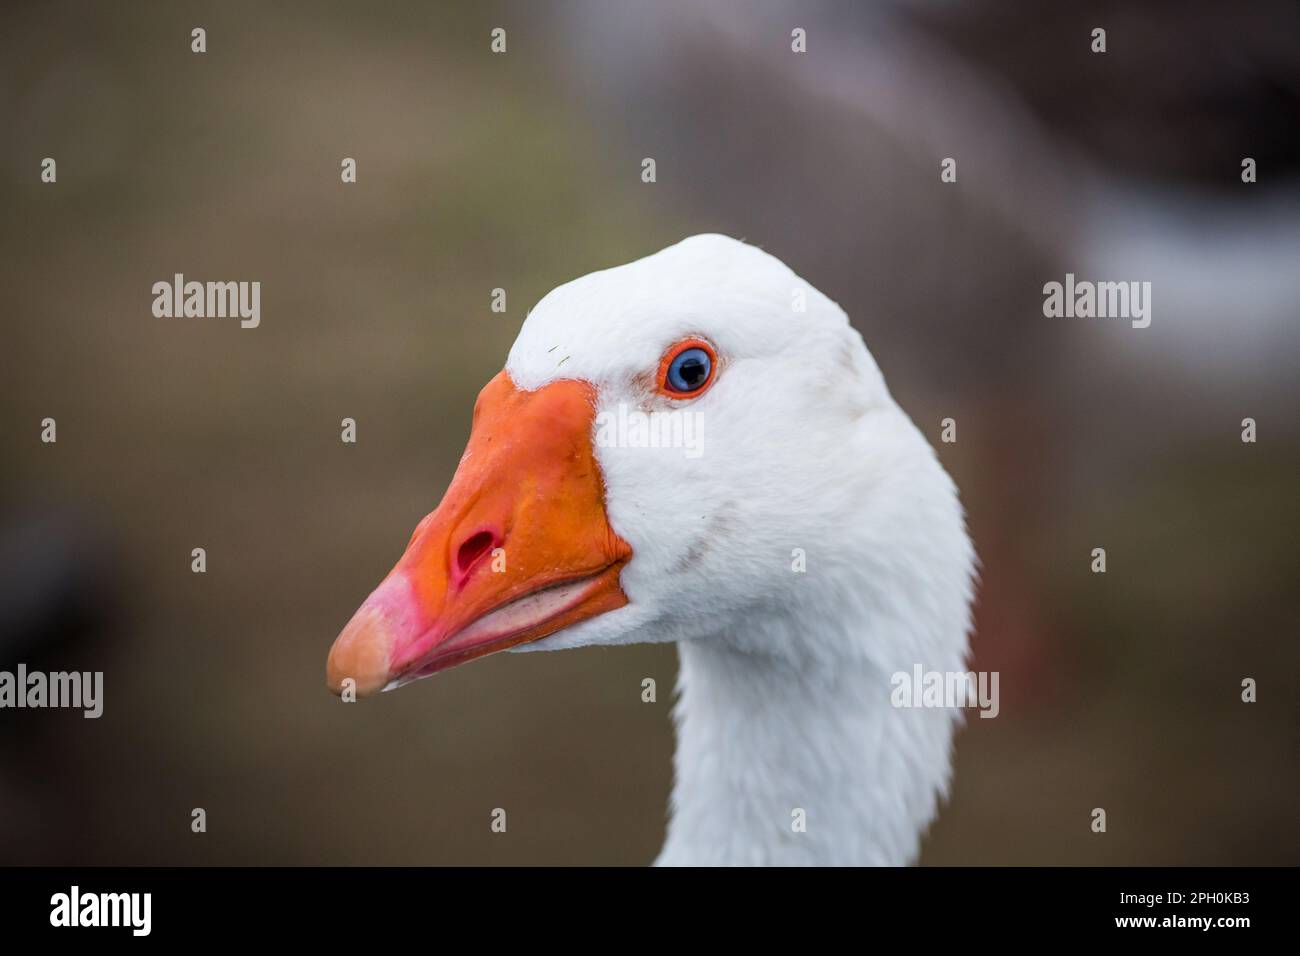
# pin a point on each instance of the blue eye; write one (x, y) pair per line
(689, 370)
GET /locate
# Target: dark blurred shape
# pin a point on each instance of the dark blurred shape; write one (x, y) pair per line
(1185, 90)
(58, 586)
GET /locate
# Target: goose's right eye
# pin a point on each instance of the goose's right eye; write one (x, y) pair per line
(687, 369)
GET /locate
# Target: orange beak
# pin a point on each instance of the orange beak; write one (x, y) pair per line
(519, 548)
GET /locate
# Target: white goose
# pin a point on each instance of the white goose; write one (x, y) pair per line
(552, 535)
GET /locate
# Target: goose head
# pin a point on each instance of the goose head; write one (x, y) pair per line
(693, 447)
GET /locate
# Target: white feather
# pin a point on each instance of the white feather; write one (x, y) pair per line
(784, 688)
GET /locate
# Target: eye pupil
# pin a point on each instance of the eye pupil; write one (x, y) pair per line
(689, 370)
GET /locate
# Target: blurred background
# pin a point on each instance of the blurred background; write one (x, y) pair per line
(522, 171)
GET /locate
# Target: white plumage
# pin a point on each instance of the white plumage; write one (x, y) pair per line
(785, 675)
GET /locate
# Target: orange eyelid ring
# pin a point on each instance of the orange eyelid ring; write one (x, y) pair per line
(676, 349)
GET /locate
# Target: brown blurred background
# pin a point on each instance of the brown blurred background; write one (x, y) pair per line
(522, 171)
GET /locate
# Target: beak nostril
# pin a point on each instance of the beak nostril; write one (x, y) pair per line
(472, 549)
